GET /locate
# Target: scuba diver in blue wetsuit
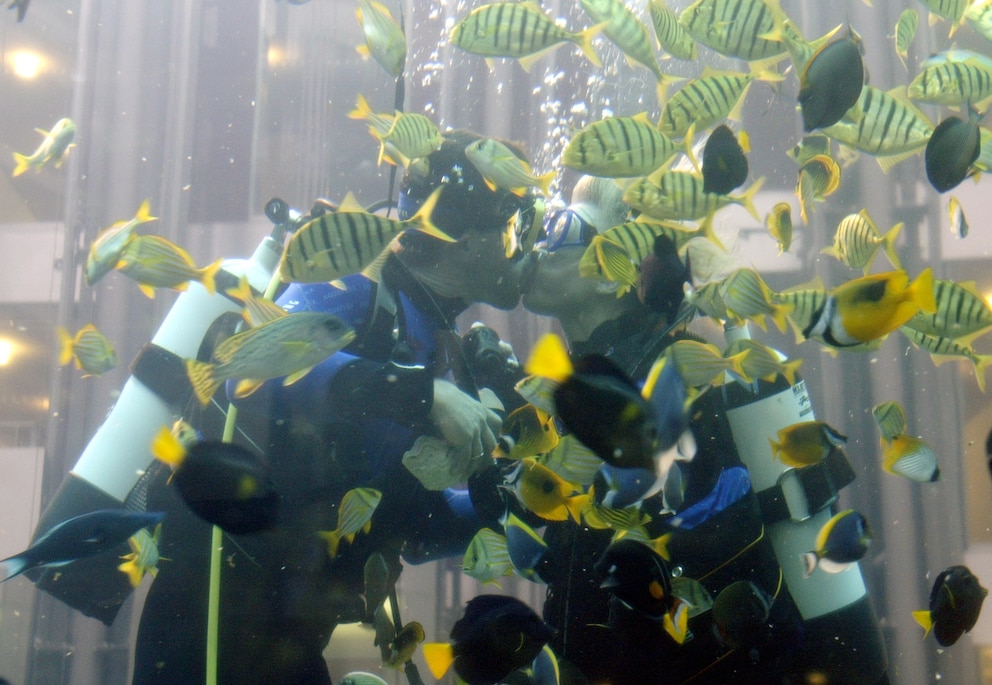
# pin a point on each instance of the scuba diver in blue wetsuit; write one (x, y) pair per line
(346, 425)
(754, 632)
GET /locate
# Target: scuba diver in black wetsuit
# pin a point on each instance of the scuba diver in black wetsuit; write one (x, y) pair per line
(717, 531)
(346, 425)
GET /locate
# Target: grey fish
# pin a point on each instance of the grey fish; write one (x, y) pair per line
(952, 150)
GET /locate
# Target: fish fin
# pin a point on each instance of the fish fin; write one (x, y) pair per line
(422, 219)
(527, 62)
(247, 387)
(544, 182)
(888, 161)
(660, 545)
(810, 560)
(922, 291)
(981, 363)
(147, 290)
(14, 566)
(23, 164)
(131, 569)
(925, 619)
(888, 244)
(144, 213)
(776, 447)
(167, 448)
(677, 626)
(780, 314)
(549, 359)
(208, 276)
(687, 147)
(584, 41)
(439, 657)
(373, 271)
(362, 109)
(363, 49)
(576, 505)
(789, 370)
(66, 342)
(747, 198)
(333, 540)
(296, 375)
(201, 377)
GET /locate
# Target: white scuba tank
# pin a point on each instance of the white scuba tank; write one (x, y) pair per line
(755, 418)
(119, 451)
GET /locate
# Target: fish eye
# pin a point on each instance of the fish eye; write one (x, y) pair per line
(506, 443)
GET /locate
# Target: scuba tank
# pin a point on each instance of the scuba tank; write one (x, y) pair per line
(119, 453)
(842, 637)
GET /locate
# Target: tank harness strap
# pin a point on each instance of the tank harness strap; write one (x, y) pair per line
(162, 372)
(800, 493)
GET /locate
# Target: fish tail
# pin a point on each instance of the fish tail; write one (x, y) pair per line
(132, 571)
(981, 363)
(439, 657)
(14, 566)
(167, 448)
(549, 359)
(201, 377)
(208, 275)
(810, 560)
(925, 620)
(710, 233)
(144, 213)
(544, 182)
(23, 163)
(776, 447)
(576, 505)
(660, 545)
(677, 622)
(687, 146)
(737, 365)
(747, 199)
(362, 109)
(333, 540)
(922, 291)
(888, 244)
(665, 82)
(789, 370)
(422, 219)
(780, 314)
(66, 342)
(584, 41)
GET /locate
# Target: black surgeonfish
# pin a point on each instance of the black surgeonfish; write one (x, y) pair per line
(495, 636)
(81, 536)
(955, 602)
(832, 81)
(724, 164)
(953, 147)
(662, 277)
(224, 484)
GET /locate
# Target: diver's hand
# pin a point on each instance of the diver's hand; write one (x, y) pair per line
(467, 425)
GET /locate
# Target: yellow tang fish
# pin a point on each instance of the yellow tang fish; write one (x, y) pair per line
(354, 515)
(155, 262)
(518, 30)
(52, 149)
(806, 443)
(287, 346)
(870, 307)
(93, 353)
(105, 251)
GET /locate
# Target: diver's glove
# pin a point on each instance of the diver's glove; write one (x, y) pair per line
(465, 424)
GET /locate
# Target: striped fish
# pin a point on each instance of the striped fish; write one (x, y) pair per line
(143, 557)
(701, 364)
(943, 349)
(857, 240)
(707, 100)
(257, 310)
(606, 260)
(679, 195)
(155, 262)
(354, 515)
(518, 30)
(287, 346)
(409, 135)
(800, 49)
(735, 28)
(979, 17)
(819, 177)
(501, 168)
(958, 80)
(348, 240)
(961, 311)
(384, 39)
(91, 350)
(487, 557)
(602, 517)
(671, 34)
(747, 296)
(626, 31)
(886, 126)
(952, 10)
(762, 362)
(619, 147)
(890, 419)
(905, 32)
(707, 299)
(636, 238)
(105, 250)
(573, 461)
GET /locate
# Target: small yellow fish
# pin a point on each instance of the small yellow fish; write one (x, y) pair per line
(806, 443)
(487, 557)
(354, 515)
(779, 225)
(701, 364)
(857, 240)
(545, 493)
(384, 39)
(155, 262)
(870, 307)
(93, 353)
(52, 149)
(671, 33)
(956, 220)
(106, 249)
(905, 32)
(143, 557)
(527, 431)
(747, 296)
(819, 177)
(402, 647)
(890, 419)
(762, 362)
(501, 168)
(409, 136)
(905, 455)
(943, 349)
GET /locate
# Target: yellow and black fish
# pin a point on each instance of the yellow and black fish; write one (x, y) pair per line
(956, 600)
(911, 457)
(962, 311)
(890, 419)
(905, 32)
(545, 493)
(94, 354)
(526, 432)
(618, 147)
(806, 443)
(670, 32)
(105, 250)
(354, 516)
